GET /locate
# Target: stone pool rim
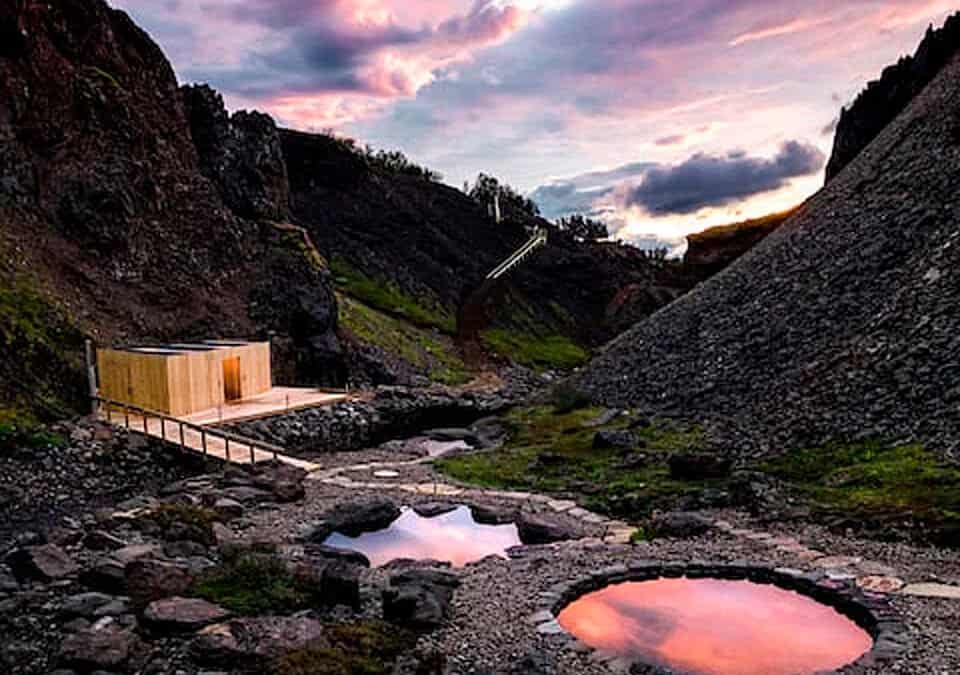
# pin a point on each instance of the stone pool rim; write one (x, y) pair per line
(870, 611)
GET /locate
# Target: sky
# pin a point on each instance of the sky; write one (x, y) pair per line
(662, 117)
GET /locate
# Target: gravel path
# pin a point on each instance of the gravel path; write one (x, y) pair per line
(492, 627)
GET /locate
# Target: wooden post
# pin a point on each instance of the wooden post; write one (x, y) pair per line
(253, 456)
(91, 374)
(163, 429)
(226, 447)
(109, 410)
(126, 416)
(146, 431)
(203, 441)
(183, 446)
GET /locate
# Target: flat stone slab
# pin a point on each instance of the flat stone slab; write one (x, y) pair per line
(880, 584)
(561, 505)
(929, 590)
(835, 561)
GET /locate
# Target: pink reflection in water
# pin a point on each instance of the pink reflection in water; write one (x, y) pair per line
(453, 537)
(716, 627)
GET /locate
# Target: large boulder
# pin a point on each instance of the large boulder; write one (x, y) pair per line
(252, 642)
(616, 439)
(181, 615)
(699, 466)
(148, 579)
(46, 562)
(352, 518)
(534, 529)
(420, 599)
(284, 481)
(680, 525)
(105, 646)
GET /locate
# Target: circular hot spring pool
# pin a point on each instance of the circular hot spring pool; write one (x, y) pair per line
(716, 627)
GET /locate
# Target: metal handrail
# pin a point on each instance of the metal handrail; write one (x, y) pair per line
(204, 432)
(538, 239)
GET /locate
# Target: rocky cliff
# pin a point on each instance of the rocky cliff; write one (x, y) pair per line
(131, 211)
(885, 98)
(714, 249)
(842, 324)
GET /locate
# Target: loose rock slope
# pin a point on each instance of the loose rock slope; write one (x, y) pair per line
(842, 324)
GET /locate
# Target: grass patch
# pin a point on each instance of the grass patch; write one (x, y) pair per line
(553, 351)
(369, 648)
(252, 584)
(878, 482)
(386, 297)
(575, 466)
(419, 347)
(183, 522)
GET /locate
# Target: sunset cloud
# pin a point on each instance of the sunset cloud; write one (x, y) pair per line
(549, 94)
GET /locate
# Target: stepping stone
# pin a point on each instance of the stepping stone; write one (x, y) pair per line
(810, 554)
(880, 584)
(560, 505)
(928, 590)
(386, 474)
(551, 627)
(833, 561)
(722, 525)
(783, 541)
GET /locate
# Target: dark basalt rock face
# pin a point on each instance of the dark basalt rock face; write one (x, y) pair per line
(241, 153)
(884, 99)
(144, 221)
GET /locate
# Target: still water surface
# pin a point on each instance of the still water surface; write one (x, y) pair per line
(716, 627)
(453, 537)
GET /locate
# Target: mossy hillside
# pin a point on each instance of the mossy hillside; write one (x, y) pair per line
(575, 466)
(386, 297)
(425, 349)
(368, 648)
(535, 351)
(41, 357)
(252, 584)
(878, 482)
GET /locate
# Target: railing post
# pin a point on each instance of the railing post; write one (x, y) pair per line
(183, 446)
(146, 431)
(126, 416)
(226, 447)
(109, 407)
(203, 441)
(163, 429)
(253, 458)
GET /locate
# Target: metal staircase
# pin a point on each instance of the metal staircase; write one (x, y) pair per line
(536, 241)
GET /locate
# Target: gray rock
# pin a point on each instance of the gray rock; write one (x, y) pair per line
(84, 604)
(181, 615)
(432, 509)
(341, 554)
(494, 515)
(41, 563)
(543, 529)
(680, 525)
(106, 647)
(251, 643)
(148, 579)
(620, 440)
(699, 466)
(352, 518)
(420, 599)
(98, 540)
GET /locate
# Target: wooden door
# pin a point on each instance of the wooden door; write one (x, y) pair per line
(231, 378)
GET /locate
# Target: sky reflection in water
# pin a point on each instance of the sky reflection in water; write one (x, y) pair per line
(453, 537)
(716, 627)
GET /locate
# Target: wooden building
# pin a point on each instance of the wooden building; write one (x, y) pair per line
(182, 379)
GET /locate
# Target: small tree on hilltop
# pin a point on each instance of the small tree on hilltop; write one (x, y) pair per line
(583, 228)
(512, 203)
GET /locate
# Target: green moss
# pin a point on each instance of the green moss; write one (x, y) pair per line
(575, 466)
(527, 349)
(299, 242)
(184, 521)
(369, 648)
(386, 297)
(107, 77)
(252, 584)
(426, 350)
(19, 435)
(641, 534)
(876, 481)
(40, 355)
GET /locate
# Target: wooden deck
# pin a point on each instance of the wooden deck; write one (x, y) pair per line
(277, 401)
(198, 432)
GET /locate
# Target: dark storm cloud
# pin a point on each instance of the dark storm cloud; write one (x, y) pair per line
(705, 180)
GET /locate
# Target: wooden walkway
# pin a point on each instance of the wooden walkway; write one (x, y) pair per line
(197, 433)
